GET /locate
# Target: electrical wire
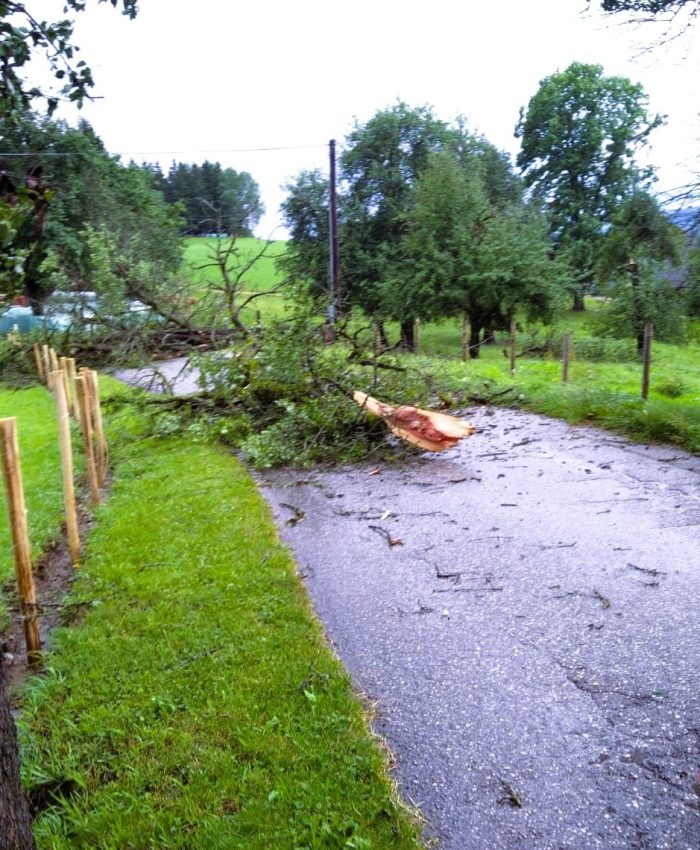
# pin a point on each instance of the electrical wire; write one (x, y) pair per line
(166, 153)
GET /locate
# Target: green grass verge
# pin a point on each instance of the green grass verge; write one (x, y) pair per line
(196, 704)
(605, 394)
(41, 474)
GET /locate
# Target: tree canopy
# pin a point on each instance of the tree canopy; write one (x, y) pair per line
(635, 255)
(651, 7)
(305, 214)
(214, 199)
(380, 167)
(580, 134)
(466, 255)
(421, 200)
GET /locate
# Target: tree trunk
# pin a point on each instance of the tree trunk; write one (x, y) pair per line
(579, 304)
(489, 337)
(383, 338)
(474, 341)
(408, 337)
(15, 821)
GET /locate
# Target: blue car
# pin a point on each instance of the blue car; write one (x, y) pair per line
(21, 319)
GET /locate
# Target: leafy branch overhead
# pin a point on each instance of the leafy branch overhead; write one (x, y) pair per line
(674, 17)
(652, 7)
(24, 36)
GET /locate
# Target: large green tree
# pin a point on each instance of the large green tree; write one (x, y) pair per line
(379, 170)
(379, 167)
(580, 134)
(305, 215)
(86, 188)
(466, 255)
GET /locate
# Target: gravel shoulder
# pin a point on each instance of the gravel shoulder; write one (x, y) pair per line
(524, 609)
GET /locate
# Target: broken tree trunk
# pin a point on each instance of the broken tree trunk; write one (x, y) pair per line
(424, 428)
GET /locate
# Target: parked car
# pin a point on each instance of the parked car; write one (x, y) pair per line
(22, 319)
(63, 310)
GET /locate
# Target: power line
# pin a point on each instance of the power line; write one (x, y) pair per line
(165, 153)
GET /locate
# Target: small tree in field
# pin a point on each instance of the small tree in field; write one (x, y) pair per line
(229, 293)
(463, 255)
(631, 262)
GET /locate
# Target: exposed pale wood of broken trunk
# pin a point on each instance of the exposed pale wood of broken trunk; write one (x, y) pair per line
(427, 429)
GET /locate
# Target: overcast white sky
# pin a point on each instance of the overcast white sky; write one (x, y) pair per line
(203, 80)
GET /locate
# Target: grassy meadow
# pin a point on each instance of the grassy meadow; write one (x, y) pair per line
(263, 274)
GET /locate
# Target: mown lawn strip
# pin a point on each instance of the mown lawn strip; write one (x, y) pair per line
(197, 704)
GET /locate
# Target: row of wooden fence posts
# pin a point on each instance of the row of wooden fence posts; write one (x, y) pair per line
(75, 393)
(566, 356)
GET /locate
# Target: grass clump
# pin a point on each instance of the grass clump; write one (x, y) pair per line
(197, 704)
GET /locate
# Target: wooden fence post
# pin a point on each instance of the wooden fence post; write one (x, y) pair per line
(646, 359)
(70, 400)
(566, 357)
(70, 363)
(53, 360)
(46, 361)
(101, 452)
(20, 536)
(465, 338)
(38, 361)
(66, 447)
(513, 330)
(83, 395)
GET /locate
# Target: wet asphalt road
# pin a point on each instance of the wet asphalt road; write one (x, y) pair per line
(525, 608)
(175, 376)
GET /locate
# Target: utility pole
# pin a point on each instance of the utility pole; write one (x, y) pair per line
(334, 265)
(633, 269)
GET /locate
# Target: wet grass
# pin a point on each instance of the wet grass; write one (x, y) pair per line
(197, 704)
(41, 473)
(605, 394)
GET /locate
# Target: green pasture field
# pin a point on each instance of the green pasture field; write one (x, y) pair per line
(263, 273)
(196, 703)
